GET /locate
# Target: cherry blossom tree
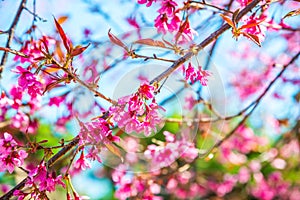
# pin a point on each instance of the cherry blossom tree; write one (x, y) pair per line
(177, 99)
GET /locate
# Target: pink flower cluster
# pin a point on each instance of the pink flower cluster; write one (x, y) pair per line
(168, 18)
(134, 114)
(183, 186)
(244, 3)
(82, 163)
(33, 49)
(95, 133)
(147, 2)
(28, 82)
(20, 120)
(192, 74)
(165, 154)
(272, 188)
(224, 187)
(252, 82)
(134, 186)
(257, 30)
(244, 142)
(40, 180)
(10, 156)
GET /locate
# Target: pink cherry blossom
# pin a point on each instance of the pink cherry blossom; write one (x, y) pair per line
(193, 75)
(190, 102)
(167, 7)
(244, 3)
(56, 101)
(82, 163)
(185, 33)
(10, 155)
(96, 132)
(165, 24)
(147, 2)
(28, 82)
(45, 180)
(135, 114)
(146, 91)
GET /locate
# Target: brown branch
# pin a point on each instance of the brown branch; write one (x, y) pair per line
(203, 44)
(210, 5)
(74, 77)
(254, 107)
(11, 33)
(50, 163)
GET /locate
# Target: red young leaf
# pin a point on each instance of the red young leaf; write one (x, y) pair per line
(228, 20)
(116, 41)
(151, 42)
(250, 25)
(78, 50)
(63, 36)
(252, 37)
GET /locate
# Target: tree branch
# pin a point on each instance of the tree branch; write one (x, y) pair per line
(203, 44)
(11, 33)
(50, 163)
(258, 100)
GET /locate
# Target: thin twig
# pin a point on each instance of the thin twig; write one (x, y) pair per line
(203, 44)
(219, 143)
(50, 163)
(210, 5)
(11, 33)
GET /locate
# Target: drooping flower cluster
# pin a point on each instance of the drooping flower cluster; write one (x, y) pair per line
(168, 18)
(164, 155)
(192, 74)
(134, 114)
(28, 82)
(82, 163)
(96, 134)
(10, 156)
(41, 180)
(147, 2)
